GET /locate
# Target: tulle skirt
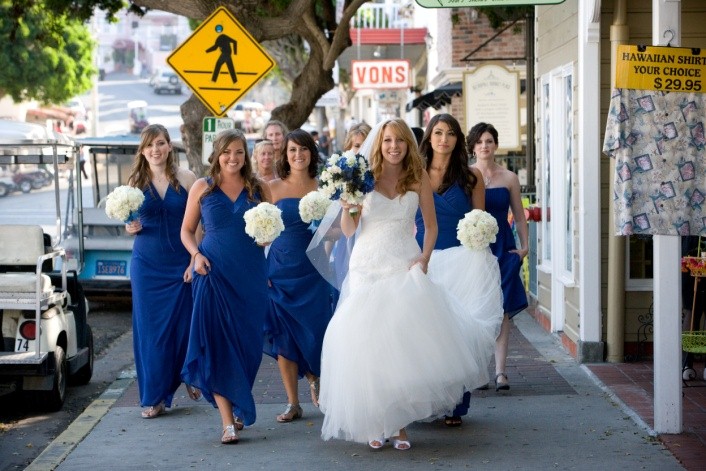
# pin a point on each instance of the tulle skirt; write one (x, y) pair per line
(404, 347)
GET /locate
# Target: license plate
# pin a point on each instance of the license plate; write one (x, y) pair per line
(111, 267)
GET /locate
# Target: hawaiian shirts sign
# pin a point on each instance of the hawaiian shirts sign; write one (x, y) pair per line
(657, 139)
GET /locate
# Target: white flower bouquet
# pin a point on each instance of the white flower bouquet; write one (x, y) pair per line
(346, 177)
(263, 222)
(313, 206)
(123, 203)
(477, 230)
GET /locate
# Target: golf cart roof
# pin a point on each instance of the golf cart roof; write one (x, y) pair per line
(29, 143)
(123, 144)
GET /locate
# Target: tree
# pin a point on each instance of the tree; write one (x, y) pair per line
(45, 57)
(287, 22)
(313, 21)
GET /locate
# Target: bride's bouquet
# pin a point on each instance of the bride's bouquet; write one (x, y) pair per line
(123, 203)
(346, 177)
(477, 229)
(263, 223)
(313, 206)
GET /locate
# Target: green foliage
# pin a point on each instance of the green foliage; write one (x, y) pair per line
(45, 57)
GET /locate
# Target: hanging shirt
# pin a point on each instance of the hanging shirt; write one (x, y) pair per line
(657, 140)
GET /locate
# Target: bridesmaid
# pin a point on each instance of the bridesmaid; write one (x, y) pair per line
(502, 194)
(457, 190)
(230, 284)
(160, 272)
(300, 298)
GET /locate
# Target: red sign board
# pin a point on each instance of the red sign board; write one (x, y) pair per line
(382, 74)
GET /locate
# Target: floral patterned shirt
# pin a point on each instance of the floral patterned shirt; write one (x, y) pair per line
(657, 139)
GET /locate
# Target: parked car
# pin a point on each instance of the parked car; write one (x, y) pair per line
(7, 186)
(167, 82)
(23, 182)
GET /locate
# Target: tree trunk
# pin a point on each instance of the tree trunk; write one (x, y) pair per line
(193, 112)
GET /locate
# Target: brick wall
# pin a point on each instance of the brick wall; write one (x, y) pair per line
(469, 33)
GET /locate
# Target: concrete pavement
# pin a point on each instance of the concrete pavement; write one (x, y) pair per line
(556, 416)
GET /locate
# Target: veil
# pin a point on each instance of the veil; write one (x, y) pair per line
(330, 250)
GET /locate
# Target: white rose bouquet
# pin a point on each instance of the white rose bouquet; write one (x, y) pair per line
(346, 177)
(477, 229)
(263, 222)
(123, 203)
(313, 206)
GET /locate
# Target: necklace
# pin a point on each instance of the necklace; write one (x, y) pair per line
(487, 179)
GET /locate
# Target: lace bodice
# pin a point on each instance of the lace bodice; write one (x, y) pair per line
(386, 241)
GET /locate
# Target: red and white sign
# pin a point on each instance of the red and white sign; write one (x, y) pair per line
(383, 74)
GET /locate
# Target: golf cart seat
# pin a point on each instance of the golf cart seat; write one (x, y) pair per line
(22, 256)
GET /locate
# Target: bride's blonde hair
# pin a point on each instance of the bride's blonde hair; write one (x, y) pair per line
(412, 164)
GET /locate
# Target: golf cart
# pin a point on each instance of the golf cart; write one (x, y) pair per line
(98, 247)
(46, 339)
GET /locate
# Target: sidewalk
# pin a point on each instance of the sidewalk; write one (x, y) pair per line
(557, 415)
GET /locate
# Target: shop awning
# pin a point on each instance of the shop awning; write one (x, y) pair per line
(438, 98)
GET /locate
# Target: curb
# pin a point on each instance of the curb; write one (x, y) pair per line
(64, 444)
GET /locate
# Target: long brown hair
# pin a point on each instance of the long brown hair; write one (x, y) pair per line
(412, 164)
(303, 138)
(223, 139)
(458, 170)
(140, 173)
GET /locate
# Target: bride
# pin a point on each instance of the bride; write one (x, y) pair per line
(401, 348)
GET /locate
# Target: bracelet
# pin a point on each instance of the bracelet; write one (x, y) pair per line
(196, 253)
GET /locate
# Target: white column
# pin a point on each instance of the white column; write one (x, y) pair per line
(589, 168)
(666, 15)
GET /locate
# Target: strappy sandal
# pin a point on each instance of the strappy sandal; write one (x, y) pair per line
(453, 420)
(292, 412)
(193, 393)
(154, 411)
(505, 386)
(314, 386)
(238, 422)
(229, 435)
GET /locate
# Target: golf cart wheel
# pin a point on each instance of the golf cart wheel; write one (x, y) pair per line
(26, 186)
(53, 400)
(4, 190)
(84, 374)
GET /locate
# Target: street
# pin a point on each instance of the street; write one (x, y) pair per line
(25, 431)
(117, 90)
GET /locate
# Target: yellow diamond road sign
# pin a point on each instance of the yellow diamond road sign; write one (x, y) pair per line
(220, 61)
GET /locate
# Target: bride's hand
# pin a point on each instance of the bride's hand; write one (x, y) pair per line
(348, 206)
(423, 263)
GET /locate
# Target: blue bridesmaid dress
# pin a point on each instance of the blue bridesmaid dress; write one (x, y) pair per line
(451, 206)
(225, 343)
(161, 301)
(497, 203)
(300, 298)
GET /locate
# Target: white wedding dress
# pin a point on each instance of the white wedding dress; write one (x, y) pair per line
(400, 347)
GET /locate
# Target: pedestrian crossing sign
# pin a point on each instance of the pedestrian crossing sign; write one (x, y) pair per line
(220, 61)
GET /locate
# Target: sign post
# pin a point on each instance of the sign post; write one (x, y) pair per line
(220, 61)
(211, 127)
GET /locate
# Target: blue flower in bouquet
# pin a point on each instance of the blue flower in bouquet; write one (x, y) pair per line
(347, 177)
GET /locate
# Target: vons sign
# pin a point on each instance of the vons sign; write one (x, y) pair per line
(383, 74)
